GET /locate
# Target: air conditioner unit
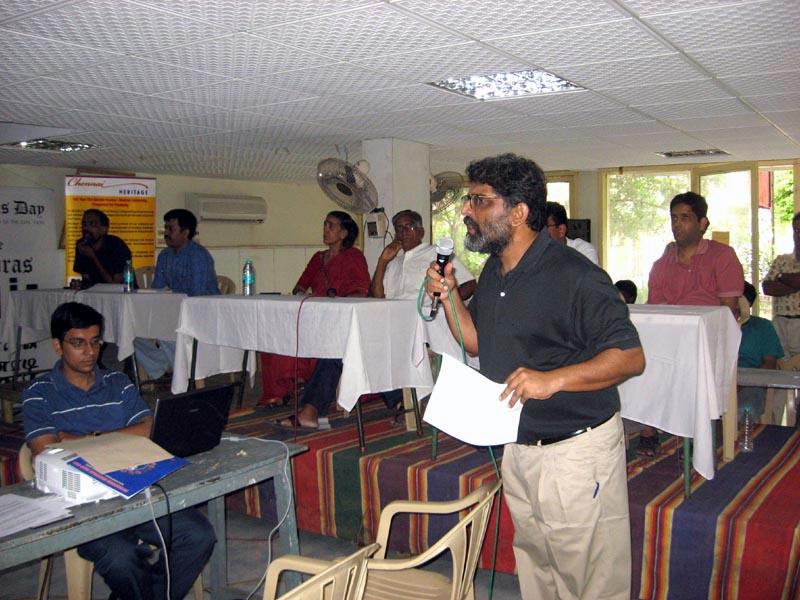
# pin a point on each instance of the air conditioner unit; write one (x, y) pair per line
(216, 207)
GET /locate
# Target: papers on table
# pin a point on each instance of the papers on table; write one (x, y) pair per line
(466, 405)
(115, 450)
(18, 513)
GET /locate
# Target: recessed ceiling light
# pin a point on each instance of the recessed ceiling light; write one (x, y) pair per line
(43, 145)
(691, 153)
(513, 84)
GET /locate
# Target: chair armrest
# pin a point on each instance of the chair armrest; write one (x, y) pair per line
(291, 562)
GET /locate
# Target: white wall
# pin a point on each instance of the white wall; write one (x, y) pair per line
(588, 205)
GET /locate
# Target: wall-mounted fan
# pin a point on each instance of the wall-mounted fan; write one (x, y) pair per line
(347, 185)
(446, 190)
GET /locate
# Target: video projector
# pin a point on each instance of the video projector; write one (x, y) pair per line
(55, 476)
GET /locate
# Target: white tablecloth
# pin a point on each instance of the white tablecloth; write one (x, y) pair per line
(691, 354)
(380, 342)
(127, 316)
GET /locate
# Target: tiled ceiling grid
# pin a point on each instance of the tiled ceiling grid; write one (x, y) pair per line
(260, 89)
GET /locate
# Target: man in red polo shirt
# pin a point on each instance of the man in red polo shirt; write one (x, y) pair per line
(692, 272)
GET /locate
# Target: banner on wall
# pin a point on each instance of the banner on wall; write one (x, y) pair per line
(129, 202)
(29, 258)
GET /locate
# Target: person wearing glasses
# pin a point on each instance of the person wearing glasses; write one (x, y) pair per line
(552, 328)
(78, 399)
(403, 263)
(557, 228)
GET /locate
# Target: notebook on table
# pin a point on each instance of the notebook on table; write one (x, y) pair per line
(192, 422)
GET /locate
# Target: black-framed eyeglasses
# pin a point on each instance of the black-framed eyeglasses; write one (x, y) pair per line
(476, 200)
(80, 343)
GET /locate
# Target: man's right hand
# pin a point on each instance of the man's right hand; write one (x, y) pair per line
(390, 252)
(437, 283)
(85, 250)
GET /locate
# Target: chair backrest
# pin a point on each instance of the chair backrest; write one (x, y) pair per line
(25, 459)
(464, 540)
(225, 285)
(343, 580)
(145, 276)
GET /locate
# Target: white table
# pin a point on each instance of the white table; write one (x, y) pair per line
(380, 342)
(690, 377)
(127, 316)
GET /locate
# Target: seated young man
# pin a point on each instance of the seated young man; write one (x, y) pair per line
(78, 399)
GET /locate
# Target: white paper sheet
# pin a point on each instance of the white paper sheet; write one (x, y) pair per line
(466, 405)
(18, 513)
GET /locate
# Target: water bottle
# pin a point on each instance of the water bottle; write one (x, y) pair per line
(248, 278)
(747, 437)
(127, 277)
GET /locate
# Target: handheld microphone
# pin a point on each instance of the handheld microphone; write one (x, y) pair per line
(444, 249)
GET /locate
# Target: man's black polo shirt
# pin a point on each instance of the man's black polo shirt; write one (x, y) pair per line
(112, 255)
(553, 310)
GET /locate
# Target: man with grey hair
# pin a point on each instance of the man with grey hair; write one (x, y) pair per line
(403, 263)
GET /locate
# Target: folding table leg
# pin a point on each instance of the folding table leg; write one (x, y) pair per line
(362, 442)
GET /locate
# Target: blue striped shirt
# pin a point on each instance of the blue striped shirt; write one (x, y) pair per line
(51, 404)
(188, 271)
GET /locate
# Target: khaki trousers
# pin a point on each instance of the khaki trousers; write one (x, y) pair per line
(569, 504)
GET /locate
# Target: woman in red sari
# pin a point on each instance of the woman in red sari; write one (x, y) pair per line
(341, 270)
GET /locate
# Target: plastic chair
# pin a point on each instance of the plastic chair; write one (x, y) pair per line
(340, 580)
(144, 276)
(389, 579)
(225, 285)
(78, 570)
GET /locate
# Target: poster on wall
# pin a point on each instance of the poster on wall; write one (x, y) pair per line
(29, 258)
(129, 203)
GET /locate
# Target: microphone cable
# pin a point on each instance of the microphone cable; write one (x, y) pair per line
(420, 298)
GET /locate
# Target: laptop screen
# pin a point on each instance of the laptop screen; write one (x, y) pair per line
(193, 422)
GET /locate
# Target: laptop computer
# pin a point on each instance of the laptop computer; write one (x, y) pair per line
(192, 422)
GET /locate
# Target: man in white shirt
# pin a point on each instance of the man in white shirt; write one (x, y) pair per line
(557, 226)
(403, 263)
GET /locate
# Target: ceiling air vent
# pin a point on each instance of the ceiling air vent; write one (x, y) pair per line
(49, 146)
(692, 153)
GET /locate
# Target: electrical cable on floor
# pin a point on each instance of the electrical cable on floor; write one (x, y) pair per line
(149, 497)
(420, 298)
(289, 506)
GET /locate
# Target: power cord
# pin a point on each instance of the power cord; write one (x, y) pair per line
(289, 506)
(149, 497)
(420, 298)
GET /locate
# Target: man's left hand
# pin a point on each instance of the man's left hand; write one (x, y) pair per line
(527, 383)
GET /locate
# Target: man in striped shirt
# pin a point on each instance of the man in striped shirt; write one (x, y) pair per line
(78, 399)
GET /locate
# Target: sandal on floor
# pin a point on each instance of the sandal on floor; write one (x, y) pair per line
(648, 445)
(291, 423)
(275, 402)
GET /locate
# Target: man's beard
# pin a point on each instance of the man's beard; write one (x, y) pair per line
(492, 239)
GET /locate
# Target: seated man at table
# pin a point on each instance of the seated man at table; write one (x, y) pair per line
(99, 256)
(403, 263)
(692, 272)
(78, 399)
(760, 348)
(557, 228)
(185, 267)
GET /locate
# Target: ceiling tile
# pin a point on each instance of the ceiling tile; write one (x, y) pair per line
(727, 122)
(440, 63)
(655, 94)
(234, 95)
(734, 25)
(373, 31)
(91, 121)
(776, 102)
(598, 117)
(238, 56)
(705, 108)
(789, 118)
(108, 25)
(582, 45)
(752, 59)
(32, 55)
(138, 75)
(333, 78)
(768, 83)
(11, 9)
(500, 18)
(248, 15)
(557, 103)
(669, 68)
(655, 7)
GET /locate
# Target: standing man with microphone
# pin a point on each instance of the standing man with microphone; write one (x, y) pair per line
(550, 326)
(99, 256)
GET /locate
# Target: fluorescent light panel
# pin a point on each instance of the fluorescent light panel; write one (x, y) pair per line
(515, 84)
(43, 145)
